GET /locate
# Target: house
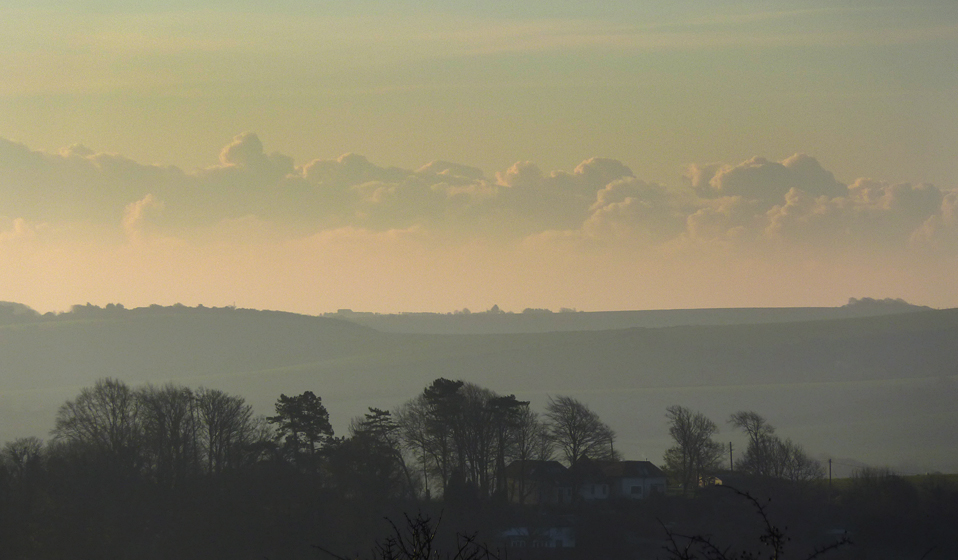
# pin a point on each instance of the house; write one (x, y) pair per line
(634, 479)
(538, 483)
(590, 480)
(549, 482)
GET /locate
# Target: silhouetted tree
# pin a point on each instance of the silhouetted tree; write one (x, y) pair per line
(369, 465)
(432, 430)
(302, 422)
(231, 435)
(104, 421)
(476, 436)
(415, 437)
(23, 456)
(442, 405)
(170, 432)
(695, 455)
(462, 429)
(531, 442)
(578, 431)
(768, 455)
(507, 418)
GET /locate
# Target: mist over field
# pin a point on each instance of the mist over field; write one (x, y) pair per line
(853, 383)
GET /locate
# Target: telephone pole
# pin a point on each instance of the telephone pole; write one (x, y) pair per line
(731, 466)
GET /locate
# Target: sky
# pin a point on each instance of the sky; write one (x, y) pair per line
(433, 156)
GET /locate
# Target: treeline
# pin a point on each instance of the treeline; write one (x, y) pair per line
(173, 472)
(169, 471)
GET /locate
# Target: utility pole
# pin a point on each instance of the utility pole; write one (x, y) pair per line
(829, 477)
(731, 466)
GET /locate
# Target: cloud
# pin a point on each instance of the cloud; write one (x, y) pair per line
(245, 164)
(757, 204)
(75, 184)
(940, 230)
(81, 184)
(730, 219)
(348, 170)
(633, 209)
(764, 180)
(873, 213)
(137, 214)
(452, 171)
(521, 173)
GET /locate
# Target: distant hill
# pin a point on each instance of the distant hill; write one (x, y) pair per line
(16, 313)
(877, 389)
(542, 320)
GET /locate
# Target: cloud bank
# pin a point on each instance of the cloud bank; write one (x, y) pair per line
(444, 234)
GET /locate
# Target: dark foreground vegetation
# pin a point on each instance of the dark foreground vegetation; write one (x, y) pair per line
(172, 472)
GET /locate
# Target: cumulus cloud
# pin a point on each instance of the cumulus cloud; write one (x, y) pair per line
(940, 230)
(598, 171)
(75, 184)
(764, 180)
(520, 174)
(332, 225)
(350, 169)
(452, 170)
(872, 212)
(725, 220)
(246, 173)
(755, 202)
(634, 209)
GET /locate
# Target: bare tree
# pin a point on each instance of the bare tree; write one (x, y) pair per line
(170, 428)
(229, 432)
(414, 436)
(23, 455)
(103, 420)
(531, 442)
(768, 455)
(531, 438)
(577, 431)
(796, 464)
(508, 417)
(695, 456)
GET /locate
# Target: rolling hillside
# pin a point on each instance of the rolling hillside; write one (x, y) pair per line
(875, 389)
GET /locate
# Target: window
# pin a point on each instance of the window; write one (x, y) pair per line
(636, 491)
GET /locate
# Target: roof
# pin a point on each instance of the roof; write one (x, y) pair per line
(631, 469)
(584, 468)
(536, 469)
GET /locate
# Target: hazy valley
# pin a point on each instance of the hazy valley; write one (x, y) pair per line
(872, 388)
